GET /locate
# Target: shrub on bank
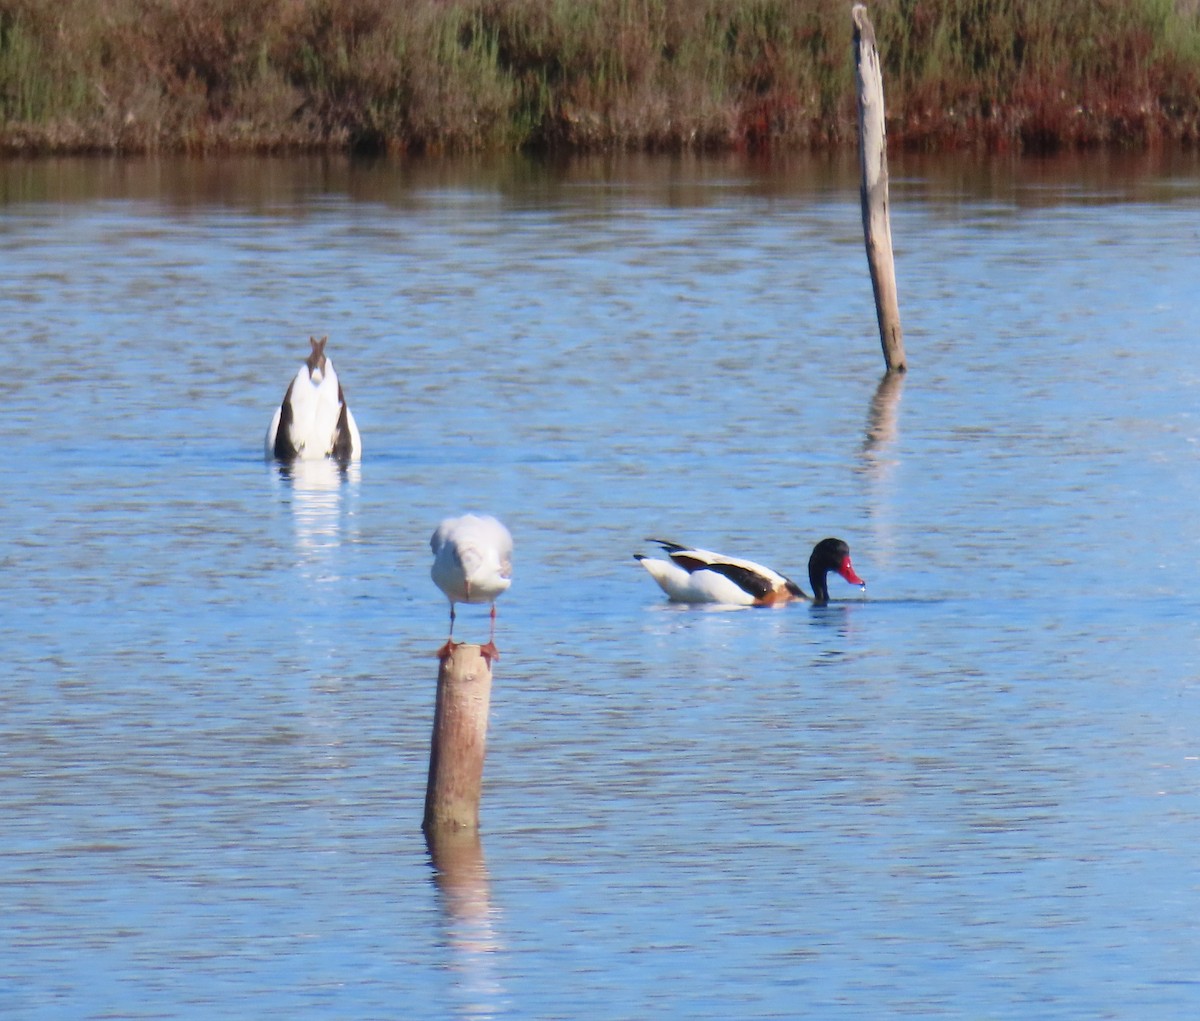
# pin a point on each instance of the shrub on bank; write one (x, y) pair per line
(464, 75)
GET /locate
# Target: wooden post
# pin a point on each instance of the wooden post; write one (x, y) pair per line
(460, 718)
(872, 154)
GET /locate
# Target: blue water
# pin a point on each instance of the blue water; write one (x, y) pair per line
(973, 794)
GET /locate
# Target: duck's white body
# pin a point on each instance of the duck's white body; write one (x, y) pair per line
(472, 561)
(693, 575)
(314, 421)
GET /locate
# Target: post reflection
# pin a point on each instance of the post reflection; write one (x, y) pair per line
(461, 877)
(878, 458)
(882, 430)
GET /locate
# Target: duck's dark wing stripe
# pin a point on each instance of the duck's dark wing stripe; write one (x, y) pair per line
(669, 547)
(284, 451)
(689, 564)
(343, 442)
(743, 578)
(795, 589)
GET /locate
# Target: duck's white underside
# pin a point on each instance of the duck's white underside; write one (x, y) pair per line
(315, 413)
(702, 586)
(699, 586)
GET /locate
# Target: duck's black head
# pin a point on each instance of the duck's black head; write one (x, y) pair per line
(830, 555)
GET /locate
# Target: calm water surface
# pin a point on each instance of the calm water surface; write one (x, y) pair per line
(972, 795)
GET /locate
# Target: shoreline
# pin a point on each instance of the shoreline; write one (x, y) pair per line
(593, 76)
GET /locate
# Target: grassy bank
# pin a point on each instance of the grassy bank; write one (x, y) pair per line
(450, 75)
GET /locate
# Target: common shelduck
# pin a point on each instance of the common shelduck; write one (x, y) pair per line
(314, 420)
(699, 576)
(472, 563)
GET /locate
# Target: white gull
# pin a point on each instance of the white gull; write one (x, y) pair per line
(472, 563)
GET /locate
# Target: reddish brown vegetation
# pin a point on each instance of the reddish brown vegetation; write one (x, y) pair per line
(411, 75)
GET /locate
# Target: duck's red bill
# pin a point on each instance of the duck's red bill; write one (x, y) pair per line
(846, 570)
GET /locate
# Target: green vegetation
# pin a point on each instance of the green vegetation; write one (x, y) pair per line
(461, 75)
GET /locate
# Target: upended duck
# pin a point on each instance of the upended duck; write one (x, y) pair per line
(692, 575)
(314, 420)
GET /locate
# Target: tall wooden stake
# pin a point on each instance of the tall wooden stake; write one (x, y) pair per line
(460, 718)
(872, 153)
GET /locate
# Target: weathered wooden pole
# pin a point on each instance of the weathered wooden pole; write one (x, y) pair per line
(456, 751)
(872, 154)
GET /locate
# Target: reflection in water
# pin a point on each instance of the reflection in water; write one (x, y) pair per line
(980, 788)
(319, 491)
(881, 419)
(878, 461)
(461, 877)
(317, 502)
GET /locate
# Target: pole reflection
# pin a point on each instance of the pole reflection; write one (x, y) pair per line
(878, 458)
(461, 877)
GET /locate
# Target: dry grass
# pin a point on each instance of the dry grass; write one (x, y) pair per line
(458, 75)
